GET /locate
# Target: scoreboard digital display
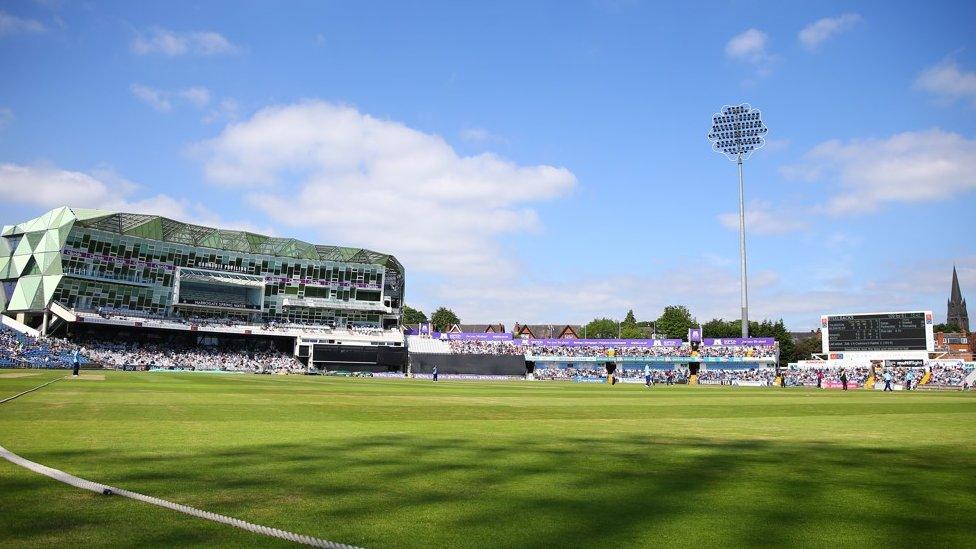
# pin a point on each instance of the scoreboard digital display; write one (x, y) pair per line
(877, 332)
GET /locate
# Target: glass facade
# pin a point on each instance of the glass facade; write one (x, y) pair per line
(90, 260)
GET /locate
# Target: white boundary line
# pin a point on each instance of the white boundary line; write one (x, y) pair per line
(104, 489)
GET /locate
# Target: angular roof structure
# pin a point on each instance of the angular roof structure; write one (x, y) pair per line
(168, 230)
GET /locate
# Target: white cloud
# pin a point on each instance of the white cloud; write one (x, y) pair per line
(197, 95)
(174, 43)
(908, 167)
(228, 109)
(6, 117)
(751, 47)
(819, 31)
(904, 284)
(162, 100)
(762, 218)
(156, 99)
(479, 136)
(11, 24)
(929, 277)
(47, 187)
(377, 183)
(948, 81)
(777, 145)
(802, 172)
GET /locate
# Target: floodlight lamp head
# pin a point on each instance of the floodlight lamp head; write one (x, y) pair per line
(737, 131)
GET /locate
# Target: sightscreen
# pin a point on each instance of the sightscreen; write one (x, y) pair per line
(877, 332)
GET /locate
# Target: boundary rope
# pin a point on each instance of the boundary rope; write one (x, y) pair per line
(104, 489)
(41, 386)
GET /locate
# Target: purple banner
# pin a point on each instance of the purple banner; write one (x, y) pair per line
(755, 341)
(478, 336)
(603, 342)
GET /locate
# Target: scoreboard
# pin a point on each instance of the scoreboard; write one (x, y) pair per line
(908, 331)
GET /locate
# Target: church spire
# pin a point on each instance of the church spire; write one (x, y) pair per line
(956, 312)
(955, 294)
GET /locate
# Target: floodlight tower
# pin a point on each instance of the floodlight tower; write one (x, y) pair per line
(736, 132)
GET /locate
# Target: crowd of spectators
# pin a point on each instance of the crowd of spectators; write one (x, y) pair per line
(658, 375)
(573, 351)
(808, 377)
(554, 373)
(215, 321)
(764, 376)
(473, 347)
(590, 351)
(172, 355)
(941, 375)
(744, 351)
(949, 376)
(18, 349)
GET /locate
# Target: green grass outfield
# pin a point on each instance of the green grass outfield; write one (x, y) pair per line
(403, 463)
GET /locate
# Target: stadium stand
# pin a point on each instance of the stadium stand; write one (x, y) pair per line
(426, 345)
(762, 376)
(485, 348)
(20, 350)
(949, 376)
(683, 350)
(73, 270)
(121, 354)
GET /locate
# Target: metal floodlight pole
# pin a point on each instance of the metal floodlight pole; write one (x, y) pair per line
(736, 132)
(744, 284)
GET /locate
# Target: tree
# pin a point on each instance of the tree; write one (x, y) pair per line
(412, 316)
(768, 328)
(946, 328)
(804, 349)
(630, 320)
(632, 331)
(675, 322)
(443, 318)
(601, 328)
(719, 328)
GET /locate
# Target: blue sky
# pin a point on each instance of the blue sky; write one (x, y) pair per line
(532, 162)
